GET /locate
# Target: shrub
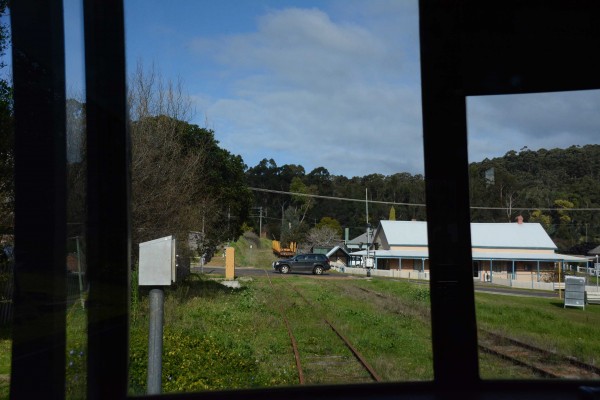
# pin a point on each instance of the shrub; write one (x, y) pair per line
(194, 363)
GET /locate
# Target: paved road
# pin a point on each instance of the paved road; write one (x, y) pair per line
(479, 286)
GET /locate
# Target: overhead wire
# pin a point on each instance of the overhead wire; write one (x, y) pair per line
(415, 204)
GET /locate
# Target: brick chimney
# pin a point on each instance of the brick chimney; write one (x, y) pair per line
(519, 219)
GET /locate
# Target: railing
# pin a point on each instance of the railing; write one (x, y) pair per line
(418, 275)
(6, 293)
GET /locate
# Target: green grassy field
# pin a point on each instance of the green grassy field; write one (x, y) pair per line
(5, 350)
(219, 338)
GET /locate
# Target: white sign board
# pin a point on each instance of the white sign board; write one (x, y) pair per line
(369, 262)
(574, 291)
(157, 262)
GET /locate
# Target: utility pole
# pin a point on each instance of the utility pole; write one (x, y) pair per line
(368, 233)
(260, 223)
(260, 217)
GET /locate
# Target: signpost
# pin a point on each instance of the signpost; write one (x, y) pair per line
(157, 268)
(574, 291)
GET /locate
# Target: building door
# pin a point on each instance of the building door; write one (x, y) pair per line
(476, 272)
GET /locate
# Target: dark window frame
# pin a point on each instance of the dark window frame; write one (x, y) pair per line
(458, 39)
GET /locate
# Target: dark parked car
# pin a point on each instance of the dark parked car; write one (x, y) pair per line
(315, 263)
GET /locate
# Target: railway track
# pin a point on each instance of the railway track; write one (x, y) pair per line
(541, 362)
(316, 367)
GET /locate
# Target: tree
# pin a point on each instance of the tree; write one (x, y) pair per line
(303, 202)
(392, 216)
(292, 230)
(523, 182)
(181, 180)
(6, 138)
(331, 223)
(541, 218)
(323, 236)
(562, 221)
(76, 167)
(223, 180)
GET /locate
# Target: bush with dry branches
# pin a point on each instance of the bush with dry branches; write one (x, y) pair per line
(181, 180)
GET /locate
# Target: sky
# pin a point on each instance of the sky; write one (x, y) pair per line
(329, 83)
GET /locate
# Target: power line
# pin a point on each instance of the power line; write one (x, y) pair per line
(333, 197)
(416, 204)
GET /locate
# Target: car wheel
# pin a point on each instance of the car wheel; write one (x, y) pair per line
(318, 270)
(284, 269)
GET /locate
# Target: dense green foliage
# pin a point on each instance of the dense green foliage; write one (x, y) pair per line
(6, 137)
(401, 188)
(215, 338)
(252, 251)
(539, 185)
(542, 186)
(183, 181)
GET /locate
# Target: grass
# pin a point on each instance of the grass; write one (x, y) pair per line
(76, 347)
(218, 338)
(543, 322)
(398, 343)
(252, 251)
(386, 320)
(233, 328)
(5, 356)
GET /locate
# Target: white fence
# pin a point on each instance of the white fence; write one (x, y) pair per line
(417, 275)
(404, 274)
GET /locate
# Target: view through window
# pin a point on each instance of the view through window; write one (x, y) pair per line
(6, 203)
(265, 130)
(76, 260)
(534, 162)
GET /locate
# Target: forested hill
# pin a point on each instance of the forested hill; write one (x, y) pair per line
(542, 186)
(560, 188)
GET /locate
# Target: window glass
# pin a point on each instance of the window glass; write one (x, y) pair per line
(6, 202)
(264, 127)
(534, 208)
(76, 266)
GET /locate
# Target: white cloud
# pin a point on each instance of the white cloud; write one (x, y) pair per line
(341, 89)
(498, 124)
(311, 91)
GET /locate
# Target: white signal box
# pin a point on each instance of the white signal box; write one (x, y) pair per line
(575, 291)
(157, 262)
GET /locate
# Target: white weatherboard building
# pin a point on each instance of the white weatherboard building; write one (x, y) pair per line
(500, 251)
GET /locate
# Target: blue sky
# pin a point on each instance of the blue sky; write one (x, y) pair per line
(331, 83)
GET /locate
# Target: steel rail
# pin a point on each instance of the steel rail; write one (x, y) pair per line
(551, 354)
(301, 379)
(349, 345)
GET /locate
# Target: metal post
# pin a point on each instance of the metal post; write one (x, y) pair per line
(559, 268)
(79, 272)
(367, 260)
(513, 271)
(155, 341)
(596, 272)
